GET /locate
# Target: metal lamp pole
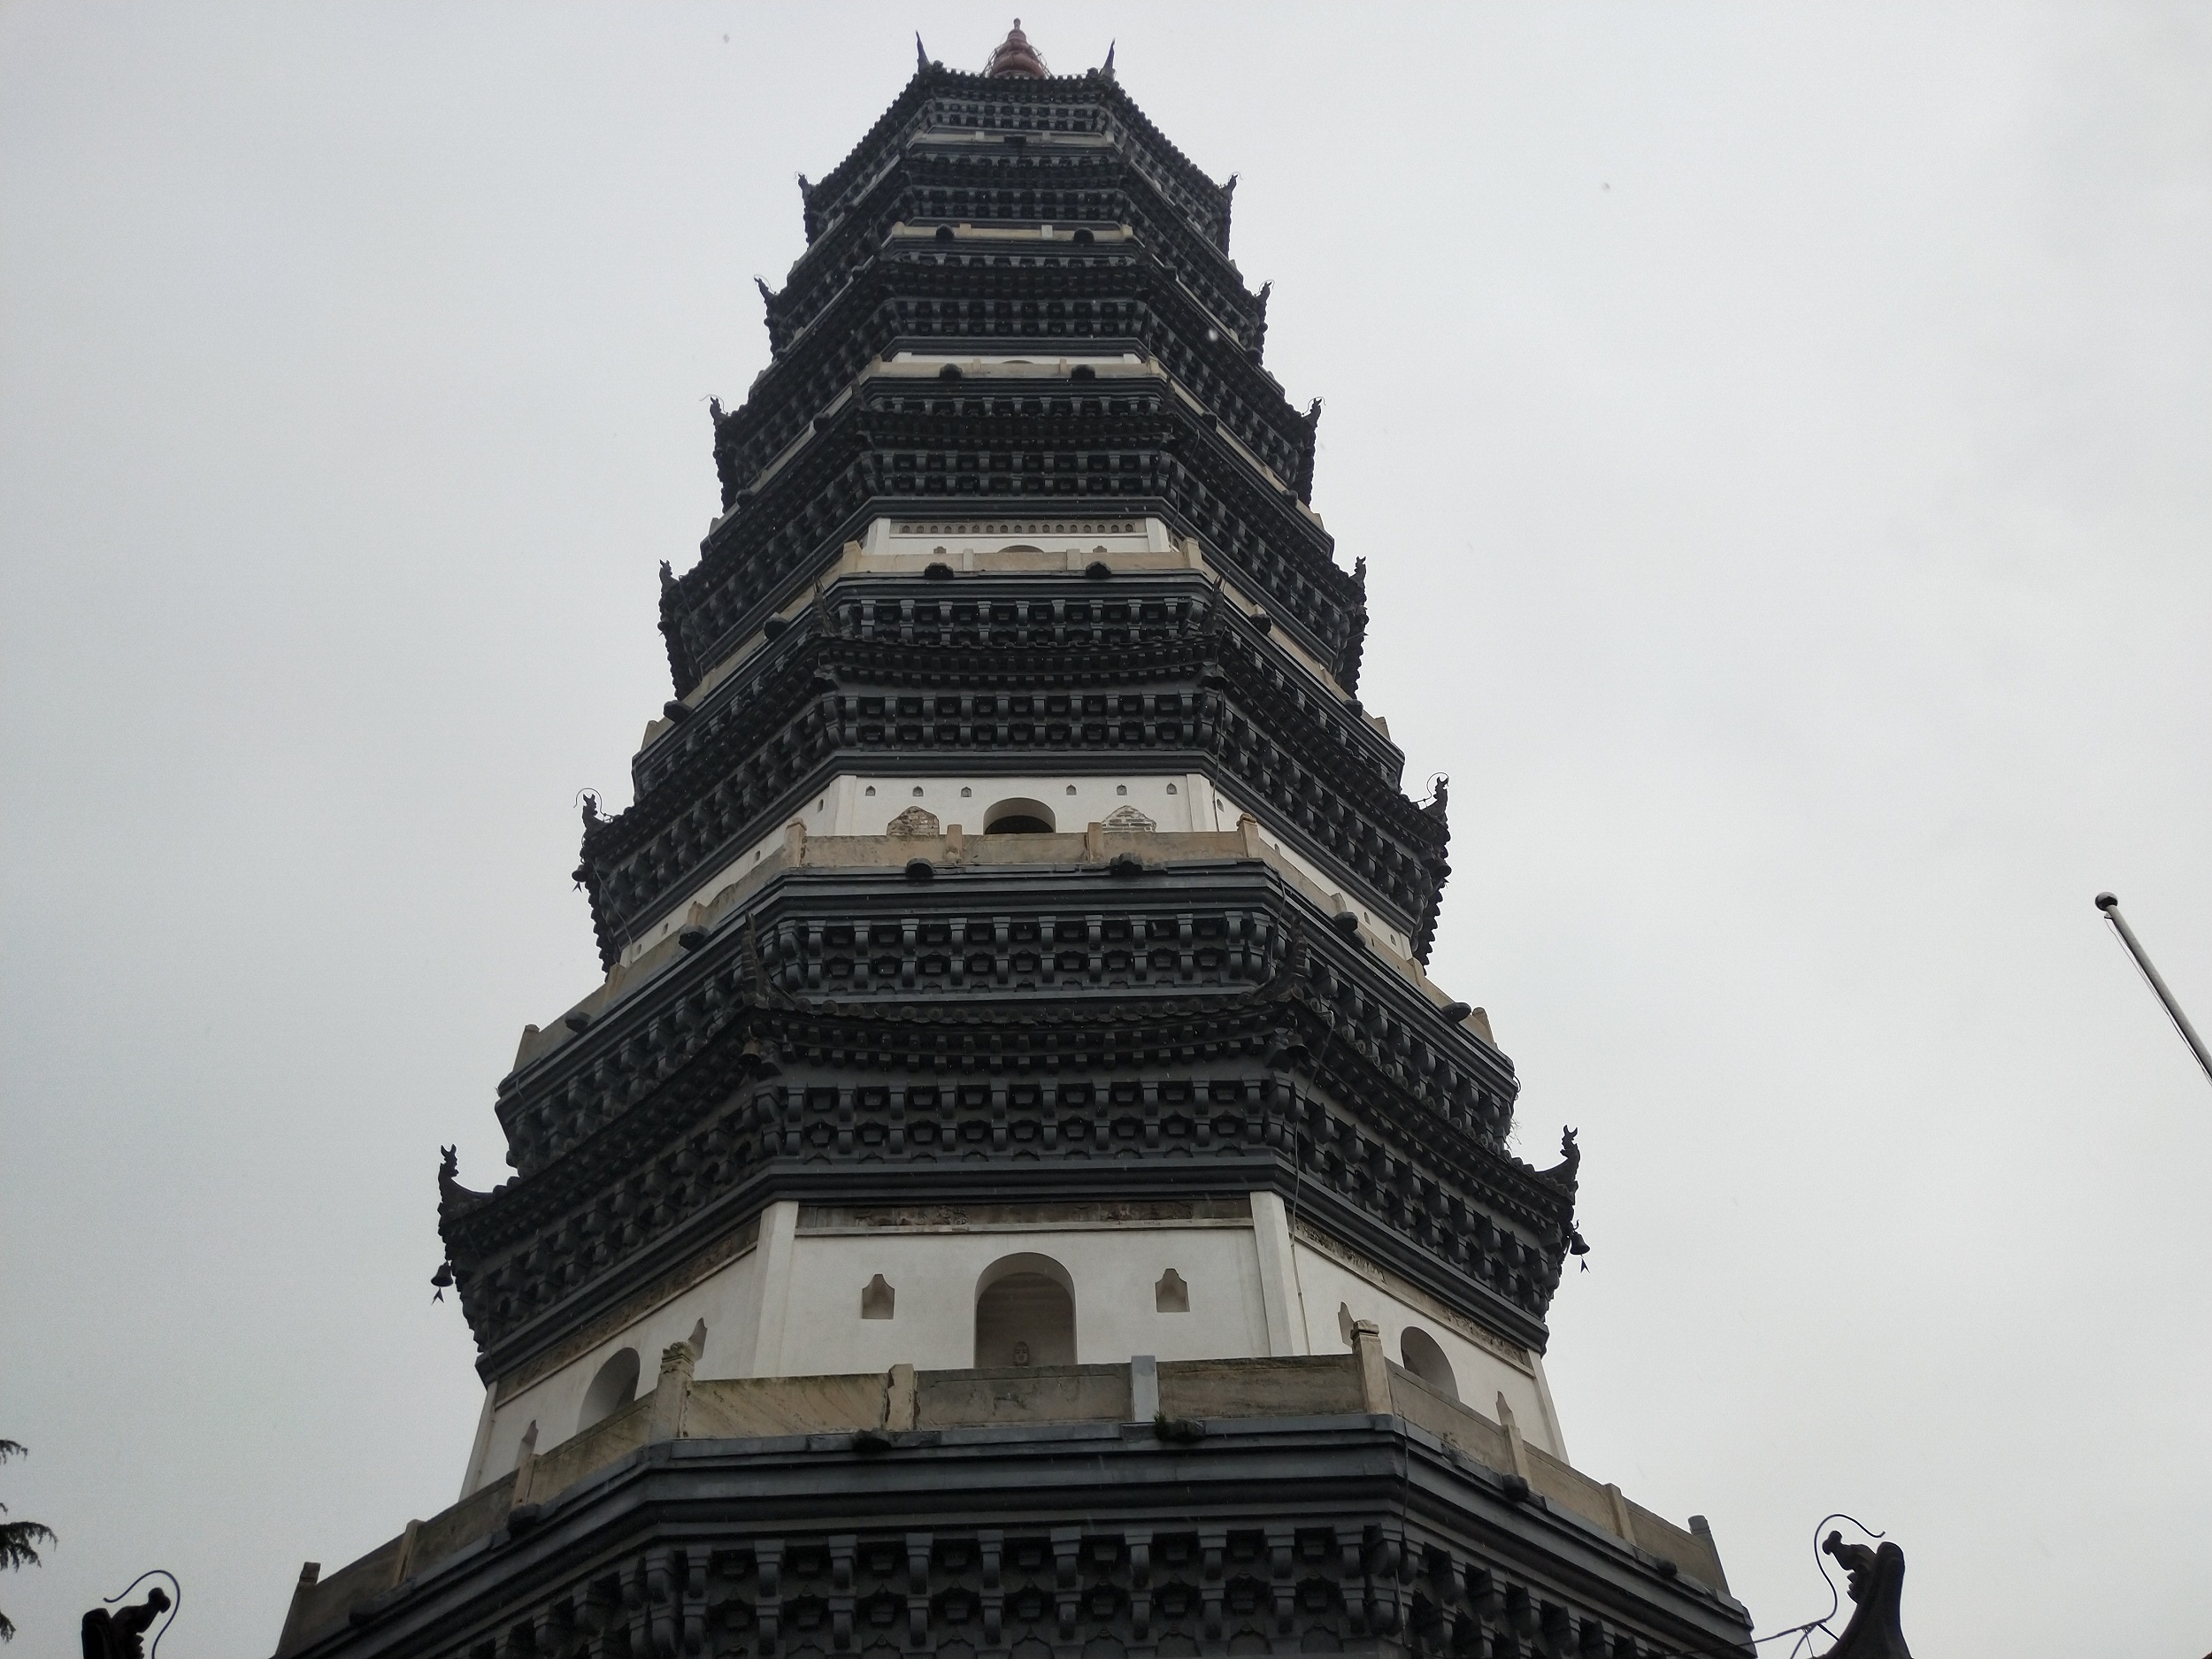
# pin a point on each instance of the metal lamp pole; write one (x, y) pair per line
(2110, 906)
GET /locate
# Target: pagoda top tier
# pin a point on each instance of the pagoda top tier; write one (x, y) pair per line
(1015, 97)
(1015, 56)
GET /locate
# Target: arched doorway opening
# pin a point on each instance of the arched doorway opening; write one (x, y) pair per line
(1025, 1313)
(1017, 816)
(613, 1387)
(1425, 1360)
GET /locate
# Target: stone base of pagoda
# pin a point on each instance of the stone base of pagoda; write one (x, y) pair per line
(1308, 1505)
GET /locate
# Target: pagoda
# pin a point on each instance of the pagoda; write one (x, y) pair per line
(1014, 1192)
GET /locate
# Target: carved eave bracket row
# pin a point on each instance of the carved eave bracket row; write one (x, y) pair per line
(858, 926)
(675, 1124)
(907, 300)
(948, 100)
(1104, 636)
(1094, 193)
(1203, 701)
(991, 455)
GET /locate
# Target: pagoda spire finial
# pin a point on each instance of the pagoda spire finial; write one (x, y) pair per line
(1015, 56)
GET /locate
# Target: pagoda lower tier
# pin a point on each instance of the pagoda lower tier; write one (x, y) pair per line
(1119, 1020)
(1146, 1511)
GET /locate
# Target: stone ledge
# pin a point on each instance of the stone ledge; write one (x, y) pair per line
(904, 1410)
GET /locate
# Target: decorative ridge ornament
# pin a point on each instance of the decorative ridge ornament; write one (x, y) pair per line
(1015, 56)
(1562, 1174)
(453, 1198)
(1878, 1588)
(121, 1634)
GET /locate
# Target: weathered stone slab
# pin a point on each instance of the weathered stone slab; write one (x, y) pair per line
(451, 1530)
(1457, 1426)
(564, 1465)
(1318, 1386)
(1040, 1394)
(742, 1407)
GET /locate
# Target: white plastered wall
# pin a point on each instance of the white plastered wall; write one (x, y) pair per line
(1221, 812)
(791, 1306)
(809, 1321)
(1177, 803)
(1076, 537)
(864, 804)
(1480, 1369)
(728, 1300)
(935, 1273)
(1170, 800)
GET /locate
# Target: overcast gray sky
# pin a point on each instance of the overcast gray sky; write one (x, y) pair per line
(1781, 441)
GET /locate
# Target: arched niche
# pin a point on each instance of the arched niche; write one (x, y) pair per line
(1421, 1355)
(878, 1299)
(614, 1386)
(1018, 815)
(1025, 1313)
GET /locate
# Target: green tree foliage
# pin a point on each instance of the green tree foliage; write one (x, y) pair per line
(19, 1539)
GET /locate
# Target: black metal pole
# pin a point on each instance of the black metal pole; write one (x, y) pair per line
(2110, 906)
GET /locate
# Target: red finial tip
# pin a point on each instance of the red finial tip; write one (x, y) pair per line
(1015, 56)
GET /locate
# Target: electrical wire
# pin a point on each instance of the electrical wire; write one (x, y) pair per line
(1803, 1632)
(1835, 1596)
(175, 1607)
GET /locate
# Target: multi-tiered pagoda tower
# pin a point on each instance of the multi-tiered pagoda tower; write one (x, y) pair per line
(1016, 1192)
